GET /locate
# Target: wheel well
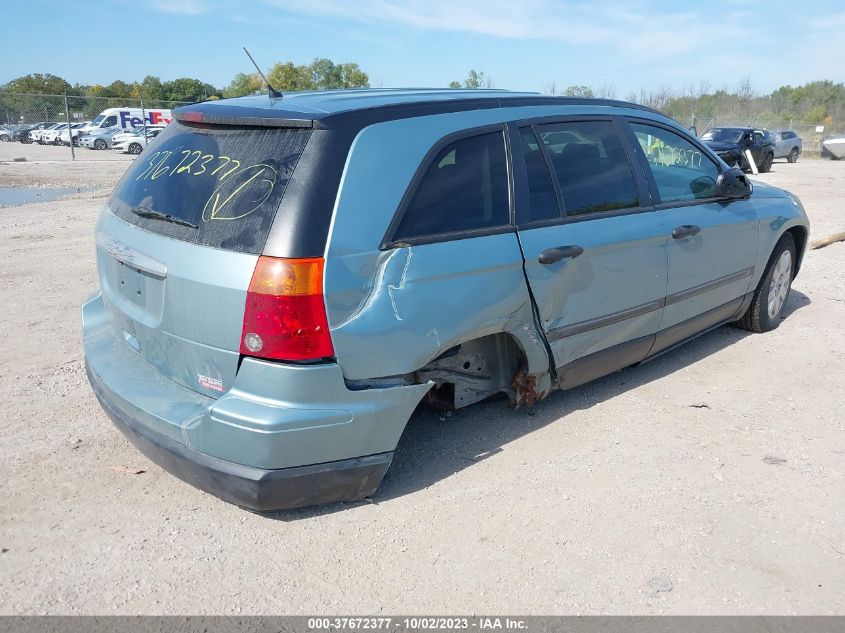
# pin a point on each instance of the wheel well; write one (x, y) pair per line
(475, 370)
(799, 234)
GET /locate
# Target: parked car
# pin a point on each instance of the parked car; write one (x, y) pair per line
(283, 282)
(787, 145)
(99, 139)
(69, 134)
(50, 135)
(24, 134)
(10, 132)
(730, 143)
(135, 142)
(37, 135)
(834, 148)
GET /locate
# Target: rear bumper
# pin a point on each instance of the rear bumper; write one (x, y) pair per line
(283, 436)
(246, 486)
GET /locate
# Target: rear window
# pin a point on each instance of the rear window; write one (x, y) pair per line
(214, 186)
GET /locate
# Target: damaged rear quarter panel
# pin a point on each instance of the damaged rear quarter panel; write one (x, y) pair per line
(391, 312)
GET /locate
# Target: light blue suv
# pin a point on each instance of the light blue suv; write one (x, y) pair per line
(282, 281)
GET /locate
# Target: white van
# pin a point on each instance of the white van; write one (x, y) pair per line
(126, 119)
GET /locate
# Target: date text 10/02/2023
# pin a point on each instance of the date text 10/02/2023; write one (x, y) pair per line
(234, 182)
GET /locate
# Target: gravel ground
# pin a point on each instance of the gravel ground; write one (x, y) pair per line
(708, 481)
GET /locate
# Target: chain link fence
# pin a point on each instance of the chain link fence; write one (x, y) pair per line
(20, 113)
(810, 133)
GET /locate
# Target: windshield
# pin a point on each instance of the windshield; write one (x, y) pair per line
(723, 135)
(225, 183)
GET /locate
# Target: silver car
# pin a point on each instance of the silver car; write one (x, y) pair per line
(787, 145)
(100, 139)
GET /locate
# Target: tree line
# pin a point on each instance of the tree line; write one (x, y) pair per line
(321, 74)
(820, 102)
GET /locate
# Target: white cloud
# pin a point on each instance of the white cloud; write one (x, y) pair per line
(648, 33)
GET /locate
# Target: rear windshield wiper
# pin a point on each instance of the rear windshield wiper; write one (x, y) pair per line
(158, 215)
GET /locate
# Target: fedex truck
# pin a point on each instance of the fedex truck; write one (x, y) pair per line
(126, 119)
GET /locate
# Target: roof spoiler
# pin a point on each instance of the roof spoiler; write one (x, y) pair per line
(188, 115)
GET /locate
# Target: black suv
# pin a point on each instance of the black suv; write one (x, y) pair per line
(730, 144)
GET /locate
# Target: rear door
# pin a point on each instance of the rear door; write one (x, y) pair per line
(178, 243)
(712, 243)
(594, 247)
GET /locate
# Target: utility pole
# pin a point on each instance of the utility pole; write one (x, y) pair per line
(69, 131)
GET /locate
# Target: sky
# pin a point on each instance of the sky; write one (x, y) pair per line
(521, 44)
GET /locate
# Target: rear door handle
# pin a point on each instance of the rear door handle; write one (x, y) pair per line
(687, 230)
(554, 255)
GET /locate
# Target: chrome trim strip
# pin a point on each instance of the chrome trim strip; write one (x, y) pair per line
(710, 285)
(602, 321)
(131, 257)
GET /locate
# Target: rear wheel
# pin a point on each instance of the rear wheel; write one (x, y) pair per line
(793, 155)
(99, 144)
(766, 165)
(766, 307)
(5, 138)
(134, 148)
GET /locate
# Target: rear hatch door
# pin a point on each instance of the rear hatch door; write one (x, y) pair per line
(178, 242)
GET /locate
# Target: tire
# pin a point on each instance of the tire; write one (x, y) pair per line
(5, 138)
(766, 309)
(25, 139)
(766, 165)
(134, 148)
(99, 144)
(793, 156)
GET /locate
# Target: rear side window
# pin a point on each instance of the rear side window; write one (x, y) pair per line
(591, 166)
(464, 188)
(214, 186)
(543, 198)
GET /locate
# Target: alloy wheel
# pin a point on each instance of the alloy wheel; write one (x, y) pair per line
(779, 286)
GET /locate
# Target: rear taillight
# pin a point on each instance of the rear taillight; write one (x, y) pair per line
(285, 316)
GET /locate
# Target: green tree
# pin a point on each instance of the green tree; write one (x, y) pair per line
(454, 84)
(152, 88)
(351, 76)
(478, 79)
(119, 89)
(188, 89)
(321, 74)
(288, 77)
(37, 83)
(243, 84)
(578, 91)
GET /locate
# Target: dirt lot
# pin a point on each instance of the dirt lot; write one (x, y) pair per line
(718, 467)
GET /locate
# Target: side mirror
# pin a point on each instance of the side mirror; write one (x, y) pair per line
(733, 184)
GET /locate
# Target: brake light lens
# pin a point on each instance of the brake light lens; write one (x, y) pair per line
(285, 315)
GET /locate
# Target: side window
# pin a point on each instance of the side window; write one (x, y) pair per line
(543, 199)
(110, 121)
(590, 166)
(464, 188)
(680, 170)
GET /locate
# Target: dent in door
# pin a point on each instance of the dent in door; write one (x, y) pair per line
(419, 301)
